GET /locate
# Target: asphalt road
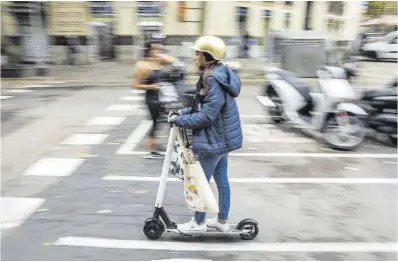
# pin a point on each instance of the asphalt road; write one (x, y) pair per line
(70, 193)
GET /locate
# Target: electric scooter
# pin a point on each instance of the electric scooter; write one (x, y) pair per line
(160, 222)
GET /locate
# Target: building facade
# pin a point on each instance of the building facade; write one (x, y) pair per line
(183, 21)
(116, 30)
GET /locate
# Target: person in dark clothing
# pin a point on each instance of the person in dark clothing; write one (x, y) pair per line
(246, 39)
(73, 50)
(146, 77)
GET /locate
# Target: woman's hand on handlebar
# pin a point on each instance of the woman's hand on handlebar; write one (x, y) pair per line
(172, 116)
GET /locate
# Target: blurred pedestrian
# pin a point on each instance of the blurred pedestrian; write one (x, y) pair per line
(73, 50)
(246, 44)
(146, 77)
(214, 118)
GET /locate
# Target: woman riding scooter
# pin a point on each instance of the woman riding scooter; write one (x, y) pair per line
(214, 118)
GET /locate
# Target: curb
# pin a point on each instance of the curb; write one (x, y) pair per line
(50, 86)
(127, 85)
(83, 85)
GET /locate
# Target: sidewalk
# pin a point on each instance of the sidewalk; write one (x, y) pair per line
(112, 73)
(108, 74)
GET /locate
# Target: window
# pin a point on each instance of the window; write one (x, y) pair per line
(336, 7)
(329, 24)
(287, 20)
(339, 26)
(149, 8)
(267, 13)
(242, 14)
(393, 41)
(181, 10)
(101, 7)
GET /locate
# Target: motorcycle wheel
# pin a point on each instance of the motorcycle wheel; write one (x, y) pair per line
(393, 140)
(275, 112)
(349, 139)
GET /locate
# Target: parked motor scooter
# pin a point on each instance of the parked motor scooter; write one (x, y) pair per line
(381, 107)
(330, 114)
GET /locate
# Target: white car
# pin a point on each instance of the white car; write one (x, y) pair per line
(385, 48)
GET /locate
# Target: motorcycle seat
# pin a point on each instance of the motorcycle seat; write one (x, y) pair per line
(371, 94)
(387, 118)
(301, 87)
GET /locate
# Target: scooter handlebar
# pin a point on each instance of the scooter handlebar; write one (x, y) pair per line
(172, 113)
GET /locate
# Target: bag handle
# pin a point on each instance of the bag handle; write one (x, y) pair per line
(184, 150)
(184, 132)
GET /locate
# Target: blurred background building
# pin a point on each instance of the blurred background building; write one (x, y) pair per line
(49, 32)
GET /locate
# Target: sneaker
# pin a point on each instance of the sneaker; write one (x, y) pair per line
(161, 152)
(154, 155)
(215, 223)
(192, 227)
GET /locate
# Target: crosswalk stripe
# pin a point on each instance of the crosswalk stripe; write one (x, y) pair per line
(228, 247)
(15, 210)
(270, 180)
(5, 97)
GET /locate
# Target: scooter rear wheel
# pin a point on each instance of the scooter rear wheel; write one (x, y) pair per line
(153, 229)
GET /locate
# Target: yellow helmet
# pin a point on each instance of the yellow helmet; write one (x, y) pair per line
(212, 45)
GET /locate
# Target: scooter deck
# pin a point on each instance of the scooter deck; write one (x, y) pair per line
(231, 231)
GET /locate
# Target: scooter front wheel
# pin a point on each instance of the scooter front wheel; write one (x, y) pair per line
(251, 230)
(153, 229)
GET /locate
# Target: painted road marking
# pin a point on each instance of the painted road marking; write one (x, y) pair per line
(228, 247)
(54, 167)
(268, 180)
(15, 210)
(316, 155)
(254, 116)
(19, 91)
(137, 91)
(257, 133)
(85, 139)
(5, 97)
(122, 107)
(106, 121)
(135, 137)
(132, 98)
(311, 155)
(42, 86)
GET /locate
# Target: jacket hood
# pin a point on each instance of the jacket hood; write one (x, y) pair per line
(228, 79)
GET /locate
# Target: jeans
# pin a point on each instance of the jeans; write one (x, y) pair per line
(216, 165)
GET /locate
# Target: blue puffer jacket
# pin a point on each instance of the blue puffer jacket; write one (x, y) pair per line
(216, 127)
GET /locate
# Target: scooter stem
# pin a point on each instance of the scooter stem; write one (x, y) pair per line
(165, 170)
